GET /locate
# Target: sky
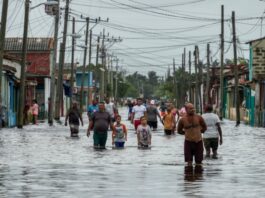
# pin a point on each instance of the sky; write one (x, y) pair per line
(153, 32)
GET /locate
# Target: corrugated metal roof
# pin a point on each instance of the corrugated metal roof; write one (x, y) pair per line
(33, 44)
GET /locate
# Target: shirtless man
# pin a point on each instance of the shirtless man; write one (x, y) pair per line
(192, 126)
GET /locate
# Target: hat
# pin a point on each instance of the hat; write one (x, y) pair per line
(152, 102)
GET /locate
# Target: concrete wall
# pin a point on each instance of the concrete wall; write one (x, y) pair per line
(258, 59)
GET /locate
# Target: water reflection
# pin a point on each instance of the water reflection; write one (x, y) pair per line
(46, 162)
(193, 173)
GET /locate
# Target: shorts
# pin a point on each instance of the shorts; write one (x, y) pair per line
(100, 139)
(119, 144)
(152, 124)
(136, 123)
(211, 143)
(143, 146)
(74, 130)
(168, 132)
(193, 149)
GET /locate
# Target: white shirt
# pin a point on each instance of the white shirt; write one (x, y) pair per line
(211, 119)
(138, 111)
(109, 108)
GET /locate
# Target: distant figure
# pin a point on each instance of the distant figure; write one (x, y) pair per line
(152, 114)
(163, 108)
(213, 134)
(110, 108)
(74, 116)
(92, 109)
(100, 123)
(182, 112)
(119, 133)
(144, 135)
(192, 126)
(130, 107)
(169, 122)
(35, 111)
(138, 111)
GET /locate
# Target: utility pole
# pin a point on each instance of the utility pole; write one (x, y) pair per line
(90, 89)
(23, 67)
(221, 112)
(59, 93)
(190, 93)
(200, 81)
(116, 81)
(102, 69)
(90, 47)
(72, 61)
(111, 76)
(236, 70)
(175, 83)
(84, 65)
(98, 71)
(97, 55)
(196, 78)
(184, 60)
(207, 75)
(2, 43)
(54, 58)
(103, 61)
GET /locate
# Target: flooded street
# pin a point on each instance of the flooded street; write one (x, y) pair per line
(43, 161)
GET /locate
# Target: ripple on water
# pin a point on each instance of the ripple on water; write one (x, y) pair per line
(42, 161)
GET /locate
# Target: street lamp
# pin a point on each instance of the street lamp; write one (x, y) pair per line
(47, 4)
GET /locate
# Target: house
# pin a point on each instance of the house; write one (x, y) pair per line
(39, 59)
(88, 85)
(10, 87)
(257, 79)
(229, 102)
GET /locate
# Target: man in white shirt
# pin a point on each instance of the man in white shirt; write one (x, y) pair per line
(138, 111)
(110, 108)
(213, 134)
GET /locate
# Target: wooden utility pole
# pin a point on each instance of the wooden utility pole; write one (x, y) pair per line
(97, 55)
(2, 43)
(54, 60)
(116, 81)
(190, 93)
(236, 70)
(90, 89)
(207, 75)
(221, 110)
(90, 47)
(84, 66)
(111, 77)
(175, 84)
(23, 67)
(59, 93)
(196, 78)
(199, 81)
(184, 60)
(72, 61)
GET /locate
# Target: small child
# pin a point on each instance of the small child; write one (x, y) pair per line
(119, 133)
(169, 122)
(143, 134)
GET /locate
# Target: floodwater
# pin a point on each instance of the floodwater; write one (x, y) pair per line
(43, 161)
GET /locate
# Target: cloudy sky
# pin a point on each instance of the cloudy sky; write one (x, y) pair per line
(153, 32)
